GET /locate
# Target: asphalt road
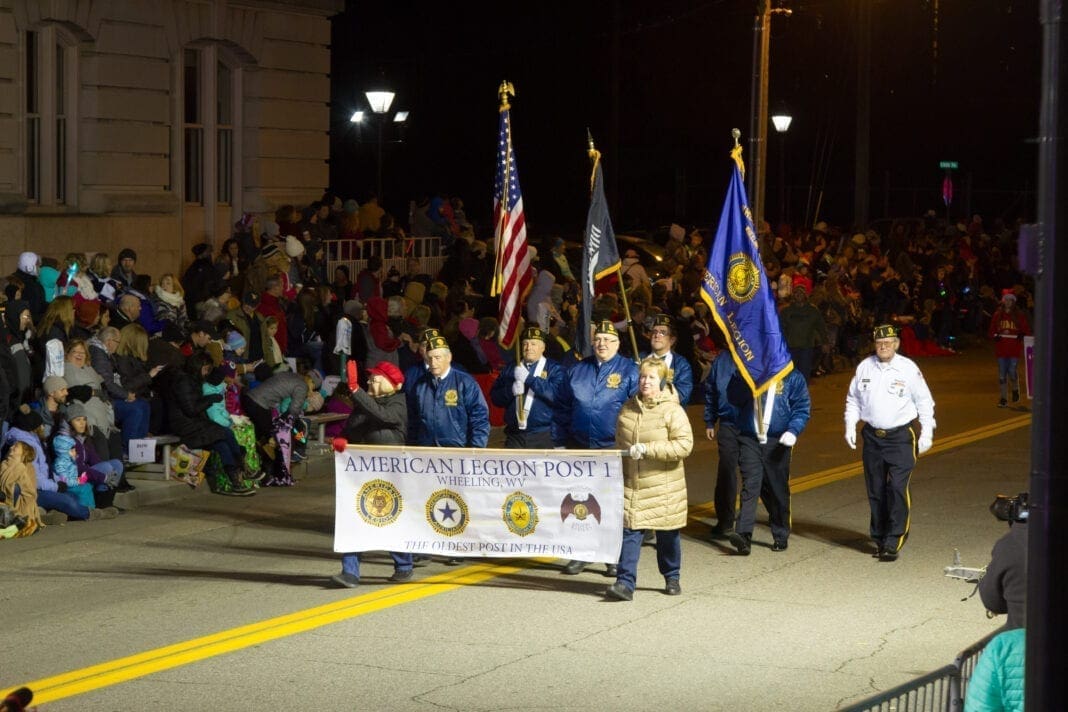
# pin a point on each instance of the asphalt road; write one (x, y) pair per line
(224, 603)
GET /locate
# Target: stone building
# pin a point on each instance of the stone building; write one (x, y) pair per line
(154, 124)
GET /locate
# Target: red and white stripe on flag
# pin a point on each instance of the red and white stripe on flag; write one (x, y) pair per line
(510, 236)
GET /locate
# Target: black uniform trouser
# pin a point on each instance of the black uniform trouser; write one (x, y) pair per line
(525, 440)
(726, 494)
(765, 474)
(888, 463)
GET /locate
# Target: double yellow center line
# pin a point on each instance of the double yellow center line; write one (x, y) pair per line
(120, 670)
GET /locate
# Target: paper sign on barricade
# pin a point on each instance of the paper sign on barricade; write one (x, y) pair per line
(142, 450)
(565, 504)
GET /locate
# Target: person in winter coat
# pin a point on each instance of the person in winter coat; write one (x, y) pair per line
(50, 494)
(382, 345)
(656, 431)
(379, 417)
(26, 359)
(764, 454)
(200, 279)
(32, 291)
(592, 395)
(19, 488)
(1007, 328)
(168, 299)
(272, 391)
(86, 385)
(187, 414)
(103, 474)
(65, 470)
(997, 683)
(123, 272)
(528, 391)
(446, 407)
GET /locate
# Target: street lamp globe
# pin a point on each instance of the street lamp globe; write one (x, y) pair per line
(380, 101)
(357, 117)
(782, 121)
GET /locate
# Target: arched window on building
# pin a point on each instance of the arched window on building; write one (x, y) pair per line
(49, 132)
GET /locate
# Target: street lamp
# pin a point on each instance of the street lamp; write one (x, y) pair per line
(781, 120)
(379, 101)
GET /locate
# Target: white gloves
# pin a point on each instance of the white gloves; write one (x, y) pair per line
(924, 443)
(636, 451)
(851, 437)
(787, 439)
(518, 388)
(521, 373)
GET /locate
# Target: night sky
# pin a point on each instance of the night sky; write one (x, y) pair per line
(684, 73)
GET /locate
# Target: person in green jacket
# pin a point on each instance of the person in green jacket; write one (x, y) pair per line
(997, 683)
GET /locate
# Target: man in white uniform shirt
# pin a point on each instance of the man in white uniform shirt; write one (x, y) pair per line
(888, 393)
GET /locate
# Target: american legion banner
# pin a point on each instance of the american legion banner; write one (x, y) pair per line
(480, 503)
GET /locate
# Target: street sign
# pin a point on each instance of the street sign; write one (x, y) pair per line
(948, 165)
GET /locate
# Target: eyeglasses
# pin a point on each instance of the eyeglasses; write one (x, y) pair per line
(660, 332)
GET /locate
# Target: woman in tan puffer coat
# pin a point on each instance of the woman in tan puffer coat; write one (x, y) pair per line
(656, 430)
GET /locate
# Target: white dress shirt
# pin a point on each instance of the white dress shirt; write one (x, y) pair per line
(889, 395)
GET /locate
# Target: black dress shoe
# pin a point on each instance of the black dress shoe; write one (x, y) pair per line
(779, 545)
(453, 561)
(888, 554)
(574, 567)
(611, 570)
(720, 531)
(672, 588)
(740, 542)
(619, 592)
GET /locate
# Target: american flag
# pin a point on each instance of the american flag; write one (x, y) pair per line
(512, 277)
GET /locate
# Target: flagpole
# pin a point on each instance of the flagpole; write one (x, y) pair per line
(595, 156)
(503, 91)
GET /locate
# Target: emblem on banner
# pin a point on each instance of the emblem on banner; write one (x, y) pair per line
(580, 509)
(446, 512)
(743, 277)
(379, 503)
(613, 380)
(451, 397)
(520, 513)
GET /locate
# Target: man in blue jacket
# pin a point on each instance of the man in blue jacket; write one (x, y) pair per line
(766, 442)
(594, 391)
(721, 425)
(528, 392)
(662, 339)
(446, 407)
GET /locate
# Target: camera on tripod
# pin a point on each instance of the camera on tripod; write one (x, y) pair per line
(1010, 509)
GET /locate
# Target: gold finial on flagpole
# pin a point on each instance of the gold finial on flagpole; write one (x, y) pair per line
(736, 152)
(504, 91)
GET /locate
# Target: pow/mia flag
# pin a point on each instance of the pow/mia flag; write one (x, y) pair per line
(600, 257)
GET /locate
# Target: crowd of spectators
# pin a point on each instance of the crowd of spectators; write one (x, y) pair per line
(228, 354)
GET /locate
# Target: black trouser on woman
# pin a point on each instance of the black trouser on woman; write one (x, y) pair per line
(260, 417)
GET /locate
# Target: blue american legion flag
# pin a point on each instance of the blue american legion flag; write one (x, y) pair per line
(512, 277)
(736, 289)
(600, 256)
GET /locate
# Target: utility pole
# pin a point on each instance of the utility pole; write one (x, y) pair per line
(758, 126)
(1047, 616)
(862, 170)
